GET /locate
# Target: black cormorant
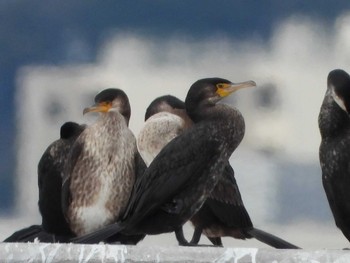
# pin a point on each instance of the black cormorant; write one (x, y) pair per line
(54, 227)
(223, 213)
(102, 166)
(50, 174)
(334, 124)
(183, 174)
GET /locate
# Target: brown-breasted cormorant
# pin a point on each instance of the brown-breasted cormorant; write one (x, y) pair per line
(54, 227)
(102, 166)
(223, 213)
(183, 174)
(334, 124)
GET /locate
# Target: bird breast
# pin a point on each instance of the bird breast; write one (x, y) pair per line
(103, 177)
(157, 132)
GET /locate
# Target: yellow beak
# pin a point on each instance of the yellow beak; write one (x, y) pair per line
(100, 107)
(225, 89)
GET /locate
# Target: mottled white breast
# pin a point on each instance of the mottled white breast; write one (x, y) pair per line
(102, 180)
(157, 132)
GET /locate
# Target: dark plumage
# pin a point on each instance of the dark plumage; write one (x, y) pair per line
(183, 174)
(50, 174)
(50, 171)
(102, 166)
(30, 234)
(334, 124)
(223, 213)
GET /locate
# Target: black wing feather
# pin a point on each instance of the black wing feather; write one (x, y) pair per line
(226, 202)
(172, 170)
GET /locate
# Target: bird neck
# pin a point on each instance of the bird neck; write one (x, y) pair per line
(113, 120)
(115, 116)
(332, 120)
(217, 112)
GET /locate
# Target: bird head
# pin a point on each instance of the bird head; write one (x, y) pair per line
(211, 90)
(339, 87)
(70, 129)
(111, 100)
(166, 103)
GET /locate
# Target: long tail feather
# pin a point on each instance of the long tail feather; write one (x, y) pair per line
(270, 239)
(32, 233)
(24, 235)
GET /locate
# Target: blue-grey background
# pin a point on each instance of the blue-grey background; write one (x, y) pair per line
(62, 33)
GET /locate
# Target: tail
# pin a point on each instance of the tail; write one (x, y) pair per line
(270, 239)
(30, 234)
(100, 235)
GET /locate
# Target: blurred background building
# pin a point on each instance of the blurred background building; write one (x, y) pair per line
(56, 56)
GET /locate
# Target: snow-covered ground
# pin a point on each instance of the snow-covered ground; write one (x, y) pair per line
(307, 235)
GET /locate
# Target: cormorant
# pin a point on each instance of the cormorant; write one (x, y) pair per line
(102, 166)
(223, 213)
(183, 174)
(334, 125)
(54, 227)
(50, 174)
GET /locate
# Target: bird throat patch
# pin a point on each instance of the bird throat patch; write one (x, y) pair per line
(338, 100)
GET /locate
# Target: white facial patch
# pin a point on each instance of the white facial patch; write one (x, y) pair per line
(338, 100)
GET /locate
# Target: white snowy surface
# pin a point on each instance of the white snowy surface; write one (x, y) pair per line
(41, 252)
(307, 235)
